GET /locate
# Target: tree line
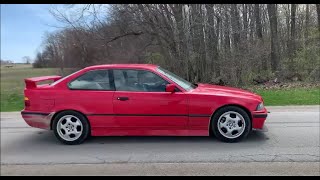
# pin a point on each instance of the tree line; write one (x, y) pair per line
(235, 44)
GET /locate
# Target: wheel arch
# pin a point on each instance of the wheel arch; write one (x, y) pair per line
(226, 105)
(58, 112)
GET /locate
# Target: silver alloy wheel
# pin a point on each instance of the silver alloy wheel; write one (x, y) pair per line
(231, 124)
(69, 127)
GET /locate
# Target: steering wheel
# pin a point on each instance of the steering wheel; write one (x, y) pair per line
(141, 86)
(145, 87)
(160, 83)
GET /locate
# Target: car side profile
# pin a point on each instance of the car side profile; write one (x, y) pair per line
(138, 100)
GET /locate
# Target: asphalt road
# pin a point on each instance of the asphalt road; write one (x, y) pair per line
(290, 147)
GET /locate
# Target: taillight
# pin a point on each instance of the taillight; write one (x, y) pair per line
(26, 102)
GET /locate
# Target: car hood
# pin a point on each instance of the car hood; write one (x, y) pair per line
(225, 91)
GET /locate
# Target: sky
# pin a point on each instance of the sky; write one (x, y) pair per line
(23, 27)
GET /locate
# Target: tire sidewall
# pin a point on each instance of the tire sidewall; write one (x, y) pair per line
(216, 116)
(85, 124)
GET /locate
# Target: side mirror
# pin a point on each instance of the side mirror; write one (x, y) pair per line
(170, 88)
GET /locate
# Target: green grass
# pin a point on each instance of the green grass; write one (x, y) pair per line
(12, 84)
(291, 96)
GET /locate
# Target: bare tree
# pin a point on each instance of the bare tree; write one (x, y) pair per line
(275, 54)
(229, 43)
(318, 14)
(258, 21)
(307, 23)
(292, 46)
(26, 59)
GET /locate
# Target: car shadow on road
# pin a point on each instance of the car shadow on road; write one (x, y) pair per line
(47, 138)
(253, 137)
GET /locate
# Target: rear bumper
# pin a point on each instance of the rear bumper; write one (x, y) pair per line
(258, 119)
(37, 119)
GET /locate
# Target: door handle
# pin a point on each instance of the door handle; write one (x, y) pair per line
(122, 98)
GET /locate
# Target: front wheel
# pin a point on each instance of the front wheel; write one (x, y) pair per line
(71, 127)
(231, 124)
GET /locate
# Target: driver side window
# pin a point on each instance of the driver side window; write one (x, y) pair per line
(138, 80)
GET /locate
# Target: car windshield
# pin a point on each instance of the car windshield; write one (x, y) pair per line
(175, 78)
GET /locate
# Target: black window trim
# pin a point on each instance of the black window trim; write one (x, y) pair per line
(111, 81)
(137, 69)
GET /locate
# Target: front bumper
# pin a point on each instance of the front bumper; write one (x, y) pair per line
(264, 129)
(38, 119)
(258, 119)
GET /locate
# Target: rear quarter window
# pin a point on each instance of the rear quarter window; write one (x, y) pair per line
(92, 80)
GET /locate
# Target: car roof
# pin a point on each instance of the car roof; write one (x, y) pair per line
(138, 66)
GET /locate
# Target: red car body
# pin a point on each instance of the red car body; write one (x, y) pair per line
(182, 113)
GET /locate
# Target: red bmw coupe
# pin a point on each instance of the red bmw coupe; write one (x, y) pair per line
(138, 100)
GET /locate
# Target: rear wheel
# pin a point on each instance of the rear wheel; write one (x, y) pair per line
(71, 127)
(231, 124)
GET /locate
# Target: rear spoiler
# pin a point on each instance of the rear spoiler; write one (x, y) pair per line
(31, 83)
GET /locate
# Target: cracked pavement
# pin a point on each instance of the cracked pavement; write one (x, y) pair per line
(293, 137)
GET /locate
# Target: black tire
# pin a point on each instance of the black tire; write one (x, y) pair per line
(221, 137)
(85, 125)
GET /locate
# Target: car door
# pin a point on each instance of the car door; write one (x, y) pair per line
(140, 102)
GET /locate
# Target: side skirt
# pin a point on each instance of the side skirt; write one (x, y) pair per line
(148, 132)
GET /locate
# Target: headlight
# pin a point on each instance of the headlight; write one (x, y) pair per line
(260, 106)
